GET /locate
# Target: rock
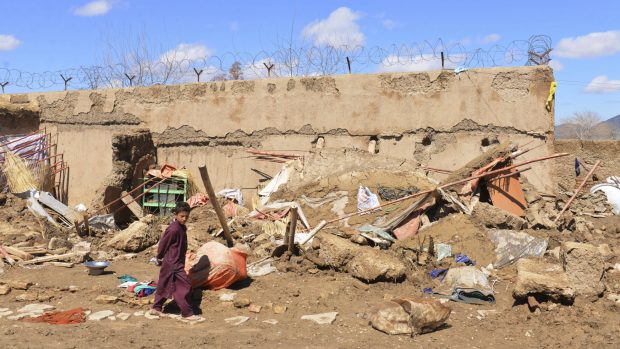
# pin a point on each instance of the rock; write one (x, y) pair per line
(28, 297)
(139, 236)
(535, 277)
(100, 315)
(254, 308)
(103, 299)
(5, 312)
(150, 316)
(56, 243)
(373, 265)
(494, 217)
(358, 239)
(36, 308)
(584, 265)
(5, 289)
(20, 316)
(19, 285)
(228, 297)
(138, 313)
(123, 316)
(279, 309)
(271, 321)
(73, 288)
(241, 303)
(81, 247)
(364, 263)
(237, 320)
(322, 319)
(336, 251)
(409, 315)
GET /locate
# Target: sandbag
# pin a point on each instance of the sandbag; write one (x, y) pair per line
(216, 266)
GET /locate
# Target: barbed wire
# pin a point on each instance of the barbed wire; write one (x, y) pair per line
(173, 68)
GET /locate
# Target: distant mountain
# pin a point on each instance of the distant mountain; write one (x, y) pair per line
(608, 129)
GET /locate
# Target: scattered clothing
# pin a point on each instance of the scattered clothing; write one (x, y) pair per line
(577, 167)
(437, 273)
(126, 278)
(199, 199)
(461, 258)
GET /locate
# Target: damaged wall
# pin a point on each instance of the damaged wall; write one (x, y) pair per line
(437, 118)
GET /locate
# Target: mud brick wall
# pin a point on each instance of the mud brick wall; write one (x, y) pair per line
(436, 118)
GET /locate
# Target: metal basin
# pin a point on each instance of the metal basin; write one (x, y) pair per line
(96, 267)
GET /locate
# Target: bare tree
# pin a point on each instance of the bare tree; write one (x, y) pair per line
(585, 123)
(235, 71)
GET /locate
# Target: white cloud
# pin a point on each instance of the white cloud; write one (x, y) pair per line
(426, 62)
(556, 65)
(189, 52)
(602, 84)
(95, 8)
(590, 45)
(339, 29)
(490, 38)
(8, 42)
(389, 24)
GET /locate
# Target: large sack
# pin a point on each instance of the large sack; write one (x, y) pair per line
(216, 266)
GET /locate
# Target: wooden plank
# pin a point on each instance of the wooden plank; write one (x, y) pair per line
(204, 174)
(18, 253)
(132, 205)
(59, 257)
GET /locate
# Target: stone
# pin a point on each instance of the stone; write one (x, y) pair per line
(81, 247)
(112, 318)
(100, 315)
(271, 321)
(138, 313)
(254, 308)
(139, 236)
(536, 277)
(36, 308)
(409, 315)
(5, 312)
(4, 290)
(493, 217)
(28, 297)
(151, 316)
(19, 285)
(373, 265)
(336, 251)
(228, 297)
(56, 243)
(73, 288)
(322, 319)
(123, 316)
(279, 309)
(20, 316)
(242, 303)
(104, 299)
(584, 265)
(237, 320)
(364, 263)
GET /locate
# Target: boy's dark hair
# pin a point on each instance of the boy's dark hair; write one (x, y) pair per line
(181, 207)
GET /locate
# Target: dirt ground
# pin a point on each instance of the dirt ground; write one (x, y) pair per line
(584, 324)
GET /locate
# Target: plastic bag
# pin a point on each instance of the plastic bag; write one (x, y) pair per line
(366, 199)
(216, 266)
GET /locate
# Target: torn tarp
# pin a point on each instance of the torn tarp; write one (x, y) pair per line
(511, 245)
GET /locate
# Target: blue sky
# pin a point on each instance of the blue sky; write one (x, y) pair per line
(40, 36)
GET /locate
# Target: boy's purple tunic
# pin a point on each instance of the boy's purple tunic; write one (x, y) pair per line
(173, 281)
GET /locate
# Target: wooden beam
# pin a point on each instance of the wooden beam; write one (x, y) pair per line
(204, 174)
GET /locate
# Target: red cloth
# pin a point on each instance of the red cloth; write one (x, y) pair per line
(196, 200)
(73, 316)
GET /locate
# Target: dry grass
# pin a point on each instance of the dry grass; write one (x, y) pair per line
(21, 176)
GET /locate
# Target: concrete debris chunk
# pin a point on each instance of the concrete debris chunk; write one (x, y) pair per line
(373, 265)
(536, 277)
(36, 308)
(139, 236)
(409, 315)
(123, 316)
(493, 217)
(322, 319)
(237, 320)
(104, 299)
(584, 265)
(100, 315)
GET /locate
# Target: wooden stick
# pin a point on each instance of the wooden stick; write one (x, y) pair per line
(128, 193)
(314, 231)
(18, 253)
(420, 193)
(8, 258)
(511, 173)
(50, 258)
(216, 205)
(570, 201)
(292, 228)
